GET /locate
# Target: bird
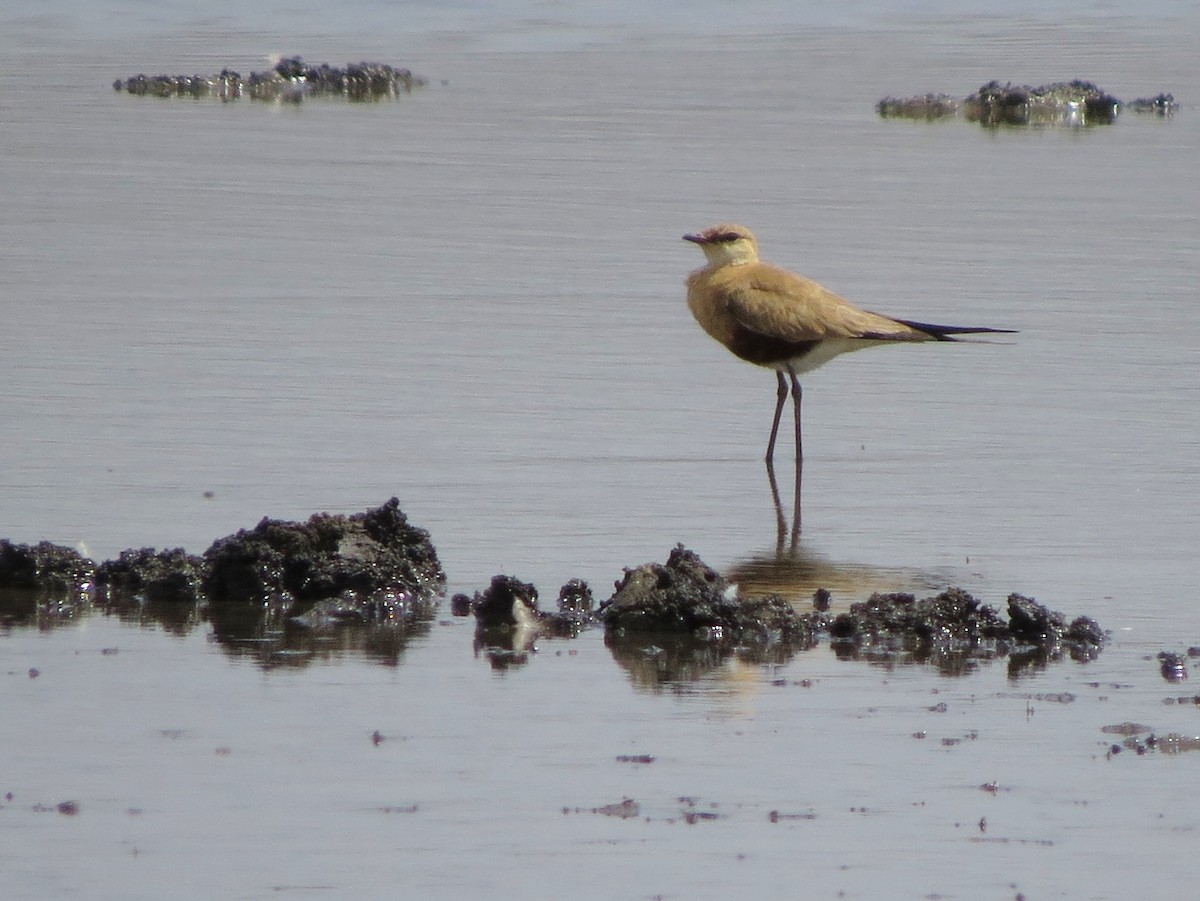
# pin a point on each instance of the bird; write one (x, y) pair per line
(777, 319)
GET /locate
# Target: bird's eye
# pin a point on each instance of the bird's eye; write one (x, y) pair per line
(728, 237)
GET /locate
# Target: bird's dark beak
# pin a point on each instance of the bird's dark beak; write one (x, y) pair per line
(695, 239)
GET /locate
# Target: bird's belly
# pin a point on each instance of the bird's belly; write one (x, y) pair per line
(821, 353)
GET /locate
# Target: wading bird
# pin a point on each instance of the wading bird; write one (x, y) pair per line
(783, 321)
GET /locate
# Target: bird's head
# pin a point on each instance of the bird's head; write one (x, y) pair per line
(726, 245)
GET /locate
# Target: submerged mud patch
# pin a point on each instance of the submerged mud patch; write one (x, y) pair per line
(954, 631)
(291, 80)
(1142, 738)
(1072, 103)
(287, 593)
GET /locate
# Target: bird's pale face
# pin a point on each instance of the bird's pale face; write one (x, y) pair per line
(726, 245)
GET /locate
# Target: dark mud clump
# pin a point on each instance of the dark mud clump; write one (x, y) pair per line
(1159, 105)
(954, 629)
(1073, 103)
(281, 592)
(287, 592)
(576, 605)
(1033, 624)
(354, 559)
(672, 623)
(1173, 666)
(151, 576)
(291, 80)
(685, 596)
(45, 567)
(42, 582)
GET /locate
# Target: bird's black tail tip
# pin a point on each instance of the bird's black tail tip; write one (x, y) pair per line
(947, 332)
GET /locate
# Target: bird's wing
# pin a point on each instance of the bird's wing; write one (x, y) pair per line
(778, 304)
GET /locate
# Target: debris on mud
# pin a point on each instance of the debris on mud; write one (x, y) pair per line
(1072, 103)
(1143, 739)
(625, 809)
(291, 80)
(1132, 740)
(1185, 700)
(1126, 729)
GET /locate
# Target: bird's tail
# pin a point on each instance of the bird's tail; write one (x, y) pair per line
(947, 332)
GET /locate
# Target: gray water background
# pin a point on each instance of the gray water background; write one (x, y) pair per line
(472, 299)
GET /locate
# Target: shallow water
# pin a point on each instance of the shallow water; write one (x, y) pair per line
(472, 299)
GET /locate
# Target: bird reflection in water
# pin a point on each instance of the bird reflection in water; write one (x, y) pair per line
(781, 523)
(797, 573)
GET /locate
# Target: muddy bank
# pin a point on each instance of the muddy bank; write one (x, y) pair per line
(291, 80)
(1061, 103)
(673, 622)
(289, 592)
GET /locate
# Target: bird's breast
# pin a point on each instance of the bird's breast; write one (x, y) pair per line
(708, 299)
(706, 306)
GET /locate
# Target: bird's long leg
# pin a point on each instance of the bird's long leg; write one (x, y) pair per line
(780, 399)
(797, 394)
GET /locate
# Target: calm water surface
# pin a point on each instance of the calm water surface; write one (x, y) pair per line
(472, 299)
